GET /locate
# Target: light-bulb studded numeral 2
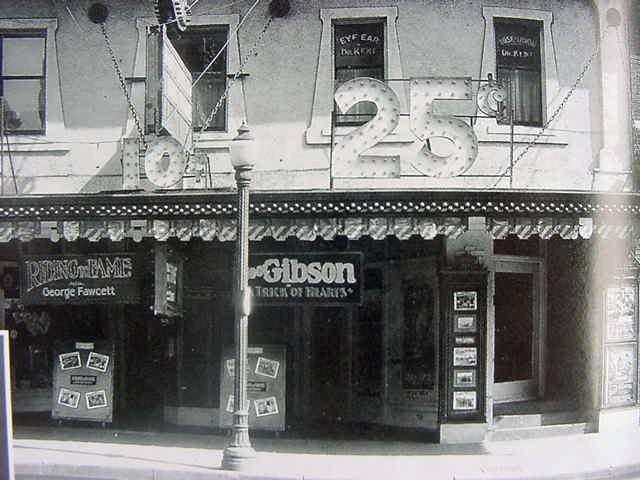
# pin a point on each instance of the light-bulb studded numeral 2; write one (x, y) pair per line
(348, 148)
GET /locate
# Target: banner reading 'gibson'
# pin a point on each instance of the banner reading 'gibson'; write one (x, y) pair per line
(79, 279)
(309, 279)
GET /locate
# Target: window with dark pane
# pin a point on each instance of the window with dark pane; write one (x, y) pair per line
(358, 52)
(198, 46)
(22, 81)
(519, 67)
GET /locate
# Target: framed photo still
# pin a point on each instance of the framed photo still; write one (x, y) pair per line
(267, 368)
(465, 357)
(465, 301)
(464, 400)
(465, 324)
(96, 399)
(266, 406)
(68, 398)
(464, 378)
(98, 361)
(69, 361)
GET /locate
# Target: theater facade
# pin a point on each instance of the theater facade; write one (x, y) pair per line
(443, 241)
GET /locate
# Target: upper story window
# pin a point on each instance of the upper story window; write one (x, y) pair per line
(519, 66)
(198, 46)
(183, 110)
(22, 81)
(537, 24)
(346, 51)
(358, 52)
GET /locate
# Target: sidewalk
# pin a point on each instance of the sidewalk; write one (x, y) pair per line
(112, 454)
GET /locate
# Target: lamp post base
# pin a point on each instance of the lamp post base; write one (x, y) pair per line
(238, 458)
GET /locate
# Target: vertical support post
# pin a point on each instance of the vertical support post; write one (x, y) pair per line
(1, 145)
(6, 437)
(512, 114)
(239, 453)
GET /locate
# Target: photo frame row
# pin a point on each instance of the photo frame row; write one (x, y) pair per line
(72, 360)
(264, 367)
(263, 406)
(71, 398)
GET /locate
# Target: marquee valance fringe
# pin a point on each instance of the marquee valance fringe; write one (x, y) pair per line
(309, 229)
(225, 229)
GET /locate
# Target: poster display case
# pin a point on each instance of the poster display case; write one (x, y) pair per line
(463, 348)
(266, 387)
(620, 382)
(83, 381)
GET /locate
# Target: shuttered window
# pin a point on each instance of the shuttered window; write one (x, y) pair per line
(358, 52)
(22, 81)
(519, 67)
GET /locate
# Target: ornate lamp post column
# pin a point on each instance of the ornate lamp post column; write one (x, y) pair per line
(239, 452)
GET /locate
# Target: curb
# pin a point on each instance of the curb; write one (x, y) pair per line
(101, 472)
(622, 472)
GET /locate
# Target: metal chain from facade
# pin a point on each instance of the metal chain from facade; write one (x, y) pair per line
(554, 115)
(123, 87)
(233, 79)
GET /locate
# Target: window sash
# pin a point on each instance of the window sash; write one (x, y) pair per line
(369, 64)
(23, 94)
(206, 95)
(519, 67)
(524, 92)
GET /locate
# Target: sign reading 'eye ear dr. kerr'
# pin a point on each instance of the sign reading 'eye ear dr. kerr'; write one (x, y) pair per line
(306, 279)
(79, 279)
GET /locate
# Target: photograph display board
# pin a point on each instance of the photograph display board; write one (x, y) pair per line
(266, 387)
(83, 381)
(620, 370)
(464, 345)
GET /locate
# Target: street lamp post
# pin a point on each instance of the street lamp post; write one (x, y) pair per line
(239, 453)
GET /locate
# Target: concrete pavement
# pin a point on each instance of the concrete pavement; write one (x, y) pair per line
(94, 453)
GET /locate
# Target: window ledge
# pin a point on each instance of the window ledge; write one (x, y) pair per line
(488, 131)
(22, 144)
(214, 141)
(321, 135)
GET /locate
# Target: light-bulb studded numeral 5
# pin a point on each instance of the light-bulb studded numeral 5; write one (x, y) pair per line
(349, 94)
(427, 125)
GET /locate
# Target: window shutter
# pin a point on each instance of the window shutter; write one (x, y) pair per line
(168, 90)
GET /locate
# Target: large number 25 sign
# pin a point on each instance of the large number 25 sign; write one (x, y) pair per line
(424, 124)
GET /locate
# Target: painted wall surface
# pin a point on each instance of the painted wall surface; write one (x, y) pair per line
(433, 39)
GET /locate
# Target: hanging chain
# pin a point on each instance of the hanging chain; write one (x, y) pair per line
(554, 115)
(123, 86)
(230, 83)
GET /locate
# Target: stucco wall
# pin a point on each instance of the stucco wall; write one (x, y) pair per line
(434, 38)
